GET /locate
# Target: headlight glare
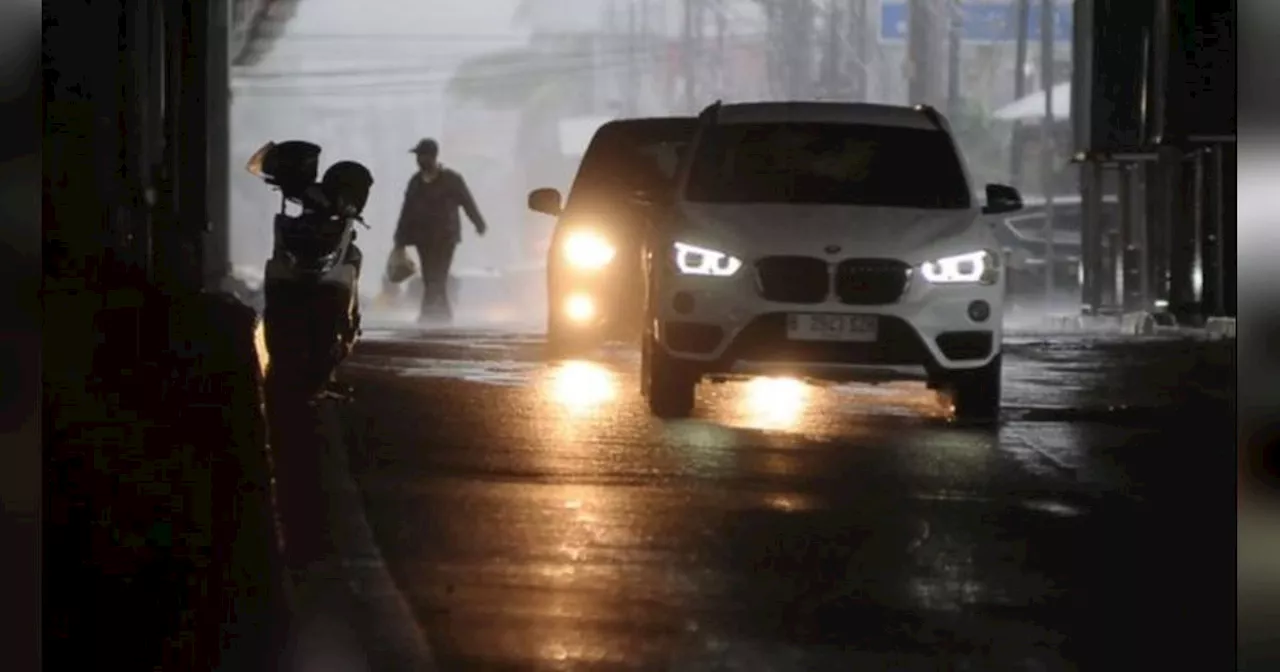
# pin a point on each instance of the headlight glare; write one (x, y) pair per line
(588, 250)
(982, 267)
(579, 308)
(694, 260)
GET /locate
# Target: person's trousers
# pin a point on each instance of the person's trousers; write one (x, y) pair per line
(435, 261)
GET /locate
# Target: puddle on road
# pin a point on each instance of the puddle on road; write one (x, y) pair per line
(487, 338)
(1054, 508)
(1102, 414)
(491, 372)
(1034, 393)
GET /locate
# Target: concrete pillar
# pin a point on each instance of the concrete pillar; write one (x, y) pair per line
(1163, 208)
(1130, 242)
(1091, 236)
(217, 251)
(1184, 250)
(1214, 239)
(1142, 263)
(183, 218)
(926, 41)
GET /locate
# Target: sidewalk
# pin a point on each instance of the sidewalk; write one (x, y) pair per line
(1139, 323)
(159, 546)
(163, 547)
(350, 609)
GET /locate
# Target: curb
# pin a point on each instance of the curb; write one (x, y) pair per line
(1140, 323)
(347, 606)
(1084, 323)
(1220, 327)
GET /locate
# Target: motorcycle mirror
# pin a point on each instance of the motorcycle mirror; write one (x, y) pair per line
(348, 183)
(290, 165)
(259, 159)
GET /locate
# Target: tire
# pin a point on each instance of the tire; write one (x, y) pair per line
(668, 385)
(976, 394)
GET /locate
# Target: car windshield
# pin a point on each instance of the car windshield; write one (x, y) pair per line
(628, 157)
(827, 163)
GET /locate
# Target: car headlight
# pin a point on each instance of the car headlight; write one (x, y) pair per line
(694, 260)
(588, 250)
(974, 267)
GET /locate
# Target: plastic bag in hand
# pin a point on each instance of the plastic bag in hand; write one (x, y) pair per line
(399, 266)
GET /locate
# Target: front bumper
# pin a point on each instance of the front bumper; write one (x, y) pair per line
(723, 325)
(615, 293)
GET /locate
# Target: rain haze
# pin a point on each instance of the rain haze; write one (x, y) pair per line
(931, 367)
(514, 90)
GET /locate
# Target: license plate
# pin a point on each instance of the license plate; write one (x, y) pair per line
(846, 328)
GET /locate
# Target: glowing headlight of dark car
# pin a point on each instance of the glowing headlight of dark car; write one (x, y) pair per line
(588, 250)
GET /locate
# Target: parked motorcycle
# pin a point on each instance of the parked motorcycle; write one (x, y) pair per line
(311, 285)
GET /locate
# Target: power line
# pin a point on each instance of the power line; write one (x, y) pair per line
(622, 50)
(561, 66)
(416, 37)
(551, 60)
(361, 89)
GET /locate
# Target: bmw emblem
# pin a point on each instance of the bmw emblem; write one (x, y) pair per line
(832, 249)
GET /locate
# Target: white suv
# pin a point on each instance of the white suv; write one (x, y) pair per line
(830, 241)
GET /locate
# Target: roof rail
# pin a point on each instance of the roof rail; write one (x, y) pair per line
(711, 113)
(931, 113)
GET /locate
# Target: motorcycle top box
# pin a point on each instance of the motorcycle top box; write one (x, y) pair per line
(311, 285)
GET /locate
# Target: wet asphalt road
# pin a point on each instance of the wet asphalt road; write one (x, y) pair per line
(535, 517)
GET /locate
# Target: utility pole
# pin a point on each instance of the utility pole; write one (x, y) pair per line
(860, 86)
(646, 53)
(954, 28)
(722, 54)
(800, 48)
(687, 57)
(1047, 150)
(633, 65)
(831, 78)
(923, 51)
(1019, 89)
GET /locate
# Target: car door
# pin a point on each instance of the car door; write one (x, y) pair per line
(625, 157)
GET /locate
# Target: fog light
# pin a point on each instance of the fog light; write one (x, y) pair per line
(683, 303)
(579, 308)
(979, 311)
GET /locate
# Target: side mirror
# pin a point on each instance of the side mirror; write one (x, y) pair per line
(292, 165)
(545, 200)
(256, 163)
(1002, 198)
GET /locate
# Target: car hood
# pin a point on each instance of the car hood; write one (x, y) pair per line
(754, 230)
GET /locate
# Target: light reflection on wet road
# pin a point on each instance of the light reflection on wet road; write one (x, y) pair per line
(536, 517)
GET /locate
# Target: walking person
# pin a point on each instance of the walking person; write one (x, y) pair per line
(429, 222)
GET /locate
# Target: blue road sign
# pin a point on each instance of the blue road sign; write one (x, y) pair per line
(982, 23)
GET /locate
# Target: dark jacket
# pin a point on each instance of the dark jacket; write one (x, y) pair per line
(430, 211)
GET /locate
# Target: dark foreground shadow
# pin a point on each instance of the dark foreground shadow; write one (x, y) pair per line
(159, 541)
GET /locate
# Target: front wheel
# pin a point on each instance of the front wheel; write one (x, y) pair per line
(668, 385)
(976, 394)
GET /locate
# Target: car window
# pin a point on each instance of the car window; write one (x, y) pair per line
(628, 156)
(826, 163)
